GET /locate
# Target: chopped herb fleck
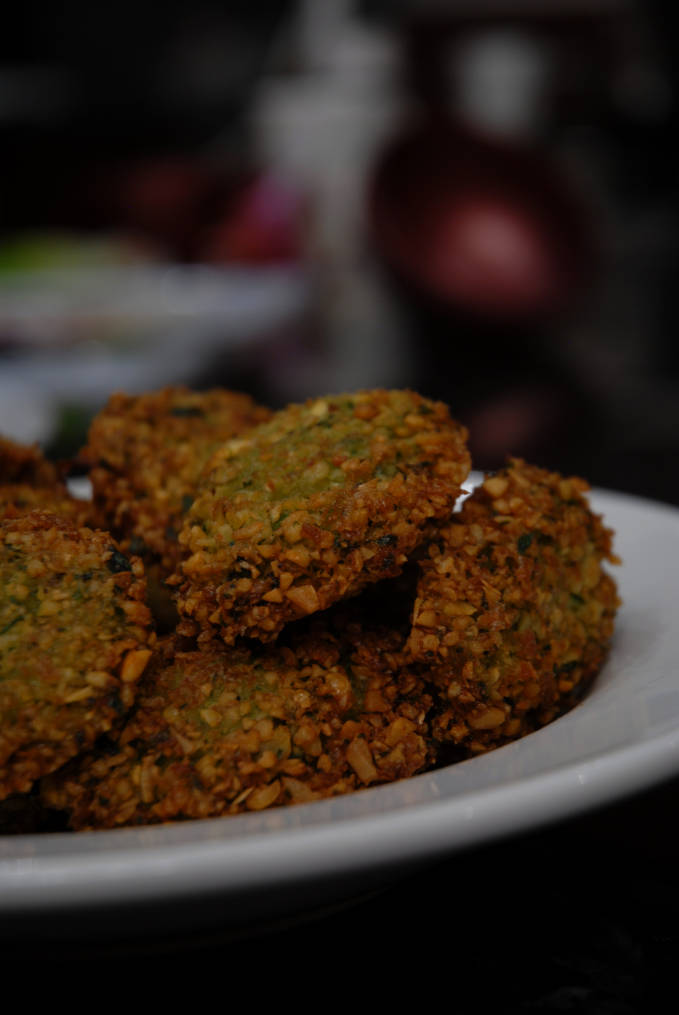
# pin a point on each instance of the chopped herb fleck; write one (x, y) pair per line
(389, 540)
(566, 667)
(524, 541)
(137, 546)
(11, 624)
(187, 410)
(117, 562)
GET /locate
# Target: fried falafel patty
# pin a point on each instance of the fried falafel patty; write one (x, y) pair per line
(24, 463)
(74, 639)
(222, 731)
(29, 482)
(21, 498)
(312, 506)
(514, 612)
(146, 453)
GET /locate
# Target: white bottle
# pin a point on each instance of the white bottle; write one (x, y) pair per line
(322, 129)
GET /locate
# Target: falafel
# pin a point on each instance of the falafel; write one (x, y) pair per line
(514, 611)
(75, 636)
(314, 505)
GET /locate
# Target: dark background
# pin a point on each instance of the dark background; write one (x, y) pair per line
(560, 345)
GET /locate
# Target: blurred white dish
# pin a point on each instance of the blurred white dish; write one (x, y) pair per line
(622, 738)
(73, 337)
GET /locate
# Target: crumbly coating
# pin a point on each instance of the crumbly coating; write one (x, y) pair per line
(222, 731)
(146, 453)
(22, 463)
(29, 482)
(21, 498)
(514, 611)
(309, 508)
(74, 639)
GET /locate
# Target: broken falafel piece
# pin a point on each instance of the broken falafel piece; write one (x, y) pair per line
(514, 611)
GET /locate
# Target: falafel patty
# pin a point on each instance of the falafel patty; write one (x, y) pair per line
(222, 731)
(74, 639)
(28, 482)
(25, 463)
(21, 498)
(514, 612)
(146, 453)
(309, 508)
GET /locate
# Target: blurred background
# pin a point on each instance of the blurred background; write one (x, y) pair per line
(473, 198)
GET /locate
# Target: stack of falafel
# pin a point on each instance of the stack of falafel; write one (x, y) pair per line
(260, 608)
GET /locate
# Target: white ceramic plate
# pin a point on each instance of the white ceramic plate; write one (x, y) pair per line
(622, 738)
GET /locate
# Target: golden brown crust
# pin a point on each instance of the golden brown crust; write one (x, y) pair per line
(74, 639)
(146, 453)
(20, 498)
(484, 625)
(20, 463)
(28, 482)
(309, 508)
(514, 612)
(221, 732)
